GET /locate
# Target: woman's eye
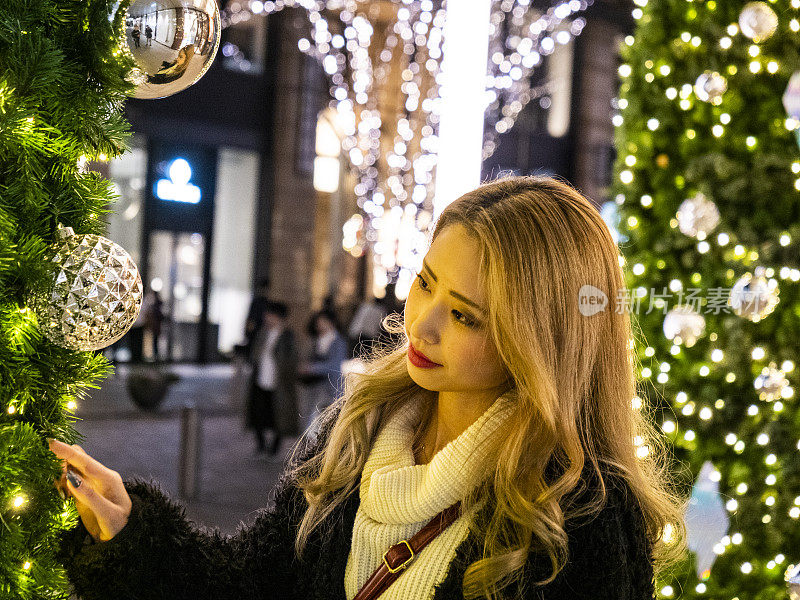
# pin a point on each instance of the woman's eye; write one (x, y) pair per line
(422, 283)
(466, 320)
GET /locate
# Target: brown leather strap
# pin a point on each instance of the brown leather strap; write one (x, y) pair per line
(399, 556)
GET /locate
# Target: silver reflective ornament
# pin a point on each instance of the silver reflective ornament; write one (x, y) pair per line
(173, 43)
(792, 578)
(710, 86)
(697, 216)
(684, 325)
(753, 296)
(758, 21)
(95, 295)
(771, 383)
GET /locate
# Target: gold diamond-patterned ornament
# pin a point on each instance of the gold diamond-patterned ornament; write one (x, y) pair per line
(95, 295)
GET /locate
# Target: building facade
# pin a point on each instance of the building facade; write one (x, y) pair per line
(218, 192)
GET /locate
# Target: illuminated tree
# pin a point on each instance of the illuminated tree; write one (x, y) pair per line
(62, 85)
(706, 179)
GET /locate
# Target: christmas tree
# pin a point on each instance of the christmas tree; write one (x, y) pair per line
(62, 85)
(706, 181)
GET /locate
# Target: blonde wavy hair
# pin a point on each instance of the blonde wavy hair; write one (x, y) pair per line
(573, 383)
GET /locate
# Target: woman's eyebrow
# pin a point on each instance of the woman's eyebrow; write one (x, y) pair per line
(454, 294)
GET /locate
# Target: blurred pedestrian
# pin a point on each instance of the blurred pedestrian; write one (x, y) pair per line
(134, 339)
(365, 327)
(322, 370)
(272, 402)
(136, 34)
(148, 33)
(153, 316)
(255, 314)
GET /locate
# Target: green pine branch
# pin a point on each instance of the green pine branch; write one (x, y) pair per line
(62, 88)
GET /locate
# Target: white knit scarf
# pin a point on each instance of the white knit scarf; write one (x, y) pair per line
(398, 497)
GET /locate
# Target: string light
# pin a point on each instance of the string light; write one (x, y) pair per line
(519, 39)
(384, 68)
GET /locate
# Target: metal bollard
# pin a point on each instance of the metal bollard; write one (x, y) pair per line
(191, 434)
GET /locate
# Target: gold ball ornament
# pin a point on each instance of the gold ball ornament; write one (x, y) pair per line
(710, 86)
(95, 294)
(758, 21)
(697, 216)
(173, 43)
(662, 161)
(684, 325)
(771, 383)
(754, 296)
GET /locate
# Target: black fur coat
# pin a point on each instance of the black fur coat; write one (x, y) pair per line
(159, 554)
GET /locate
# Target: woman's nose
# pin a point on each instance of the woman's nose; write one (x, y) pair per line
(425, 326)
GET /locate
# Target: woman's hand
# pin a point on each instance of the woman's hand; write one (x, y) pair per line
(100, 496)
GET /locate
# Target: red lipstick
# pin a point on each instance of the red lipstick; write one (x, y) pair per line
(420, 360)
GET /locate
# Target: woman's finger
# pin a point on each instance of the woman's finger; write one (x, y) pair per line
(103, 510)
(75, 455)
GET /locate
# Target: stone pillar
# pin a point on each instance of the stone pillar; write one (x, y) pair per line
(597, 86)
(294, 198)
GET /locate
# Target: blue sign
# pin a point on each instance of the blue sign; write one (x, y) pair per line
(178, 187)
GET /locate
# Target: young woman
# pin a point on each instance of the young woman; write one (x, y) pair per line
(502, 395)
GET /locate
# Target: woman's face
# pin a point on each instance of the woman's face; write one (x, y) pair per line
(445, 321)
